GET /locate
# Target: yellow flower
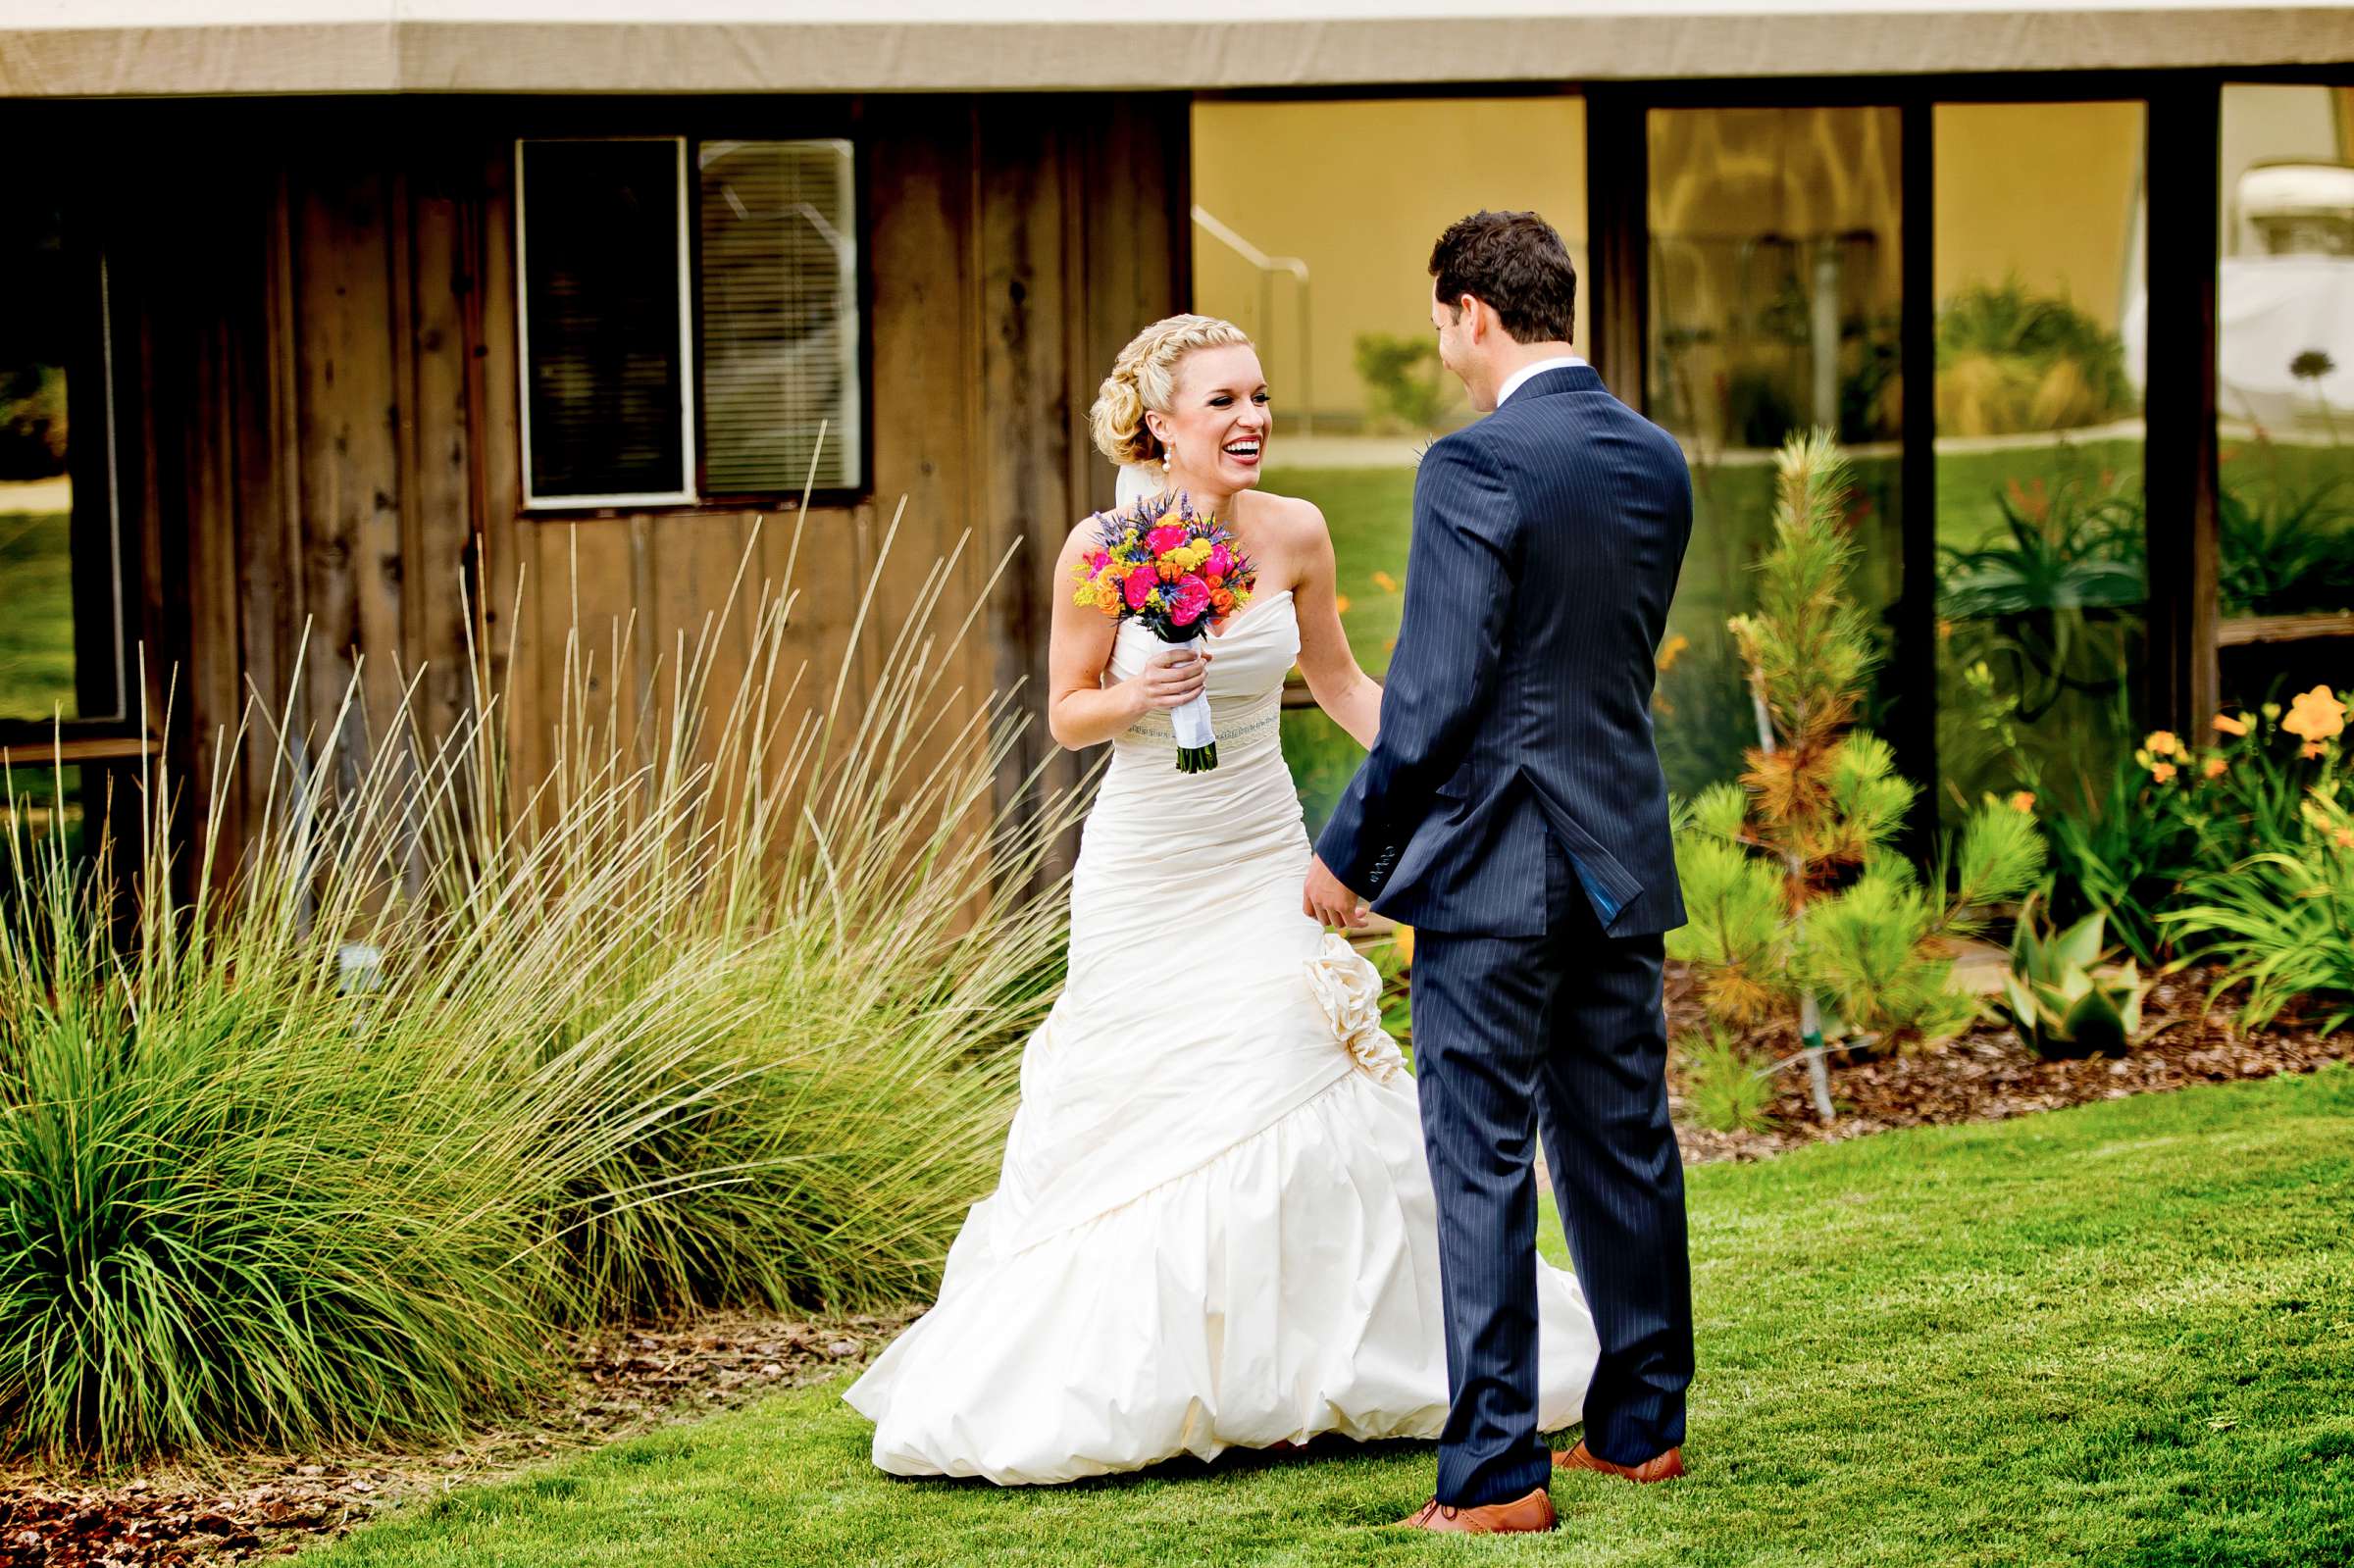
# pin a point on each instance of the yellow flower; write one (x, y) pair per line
(1340, 602)
(2343, 836)
(2023, 802)
(2231, 726)
(2215, 767)
(2315, 716)
(1405, 937)
(2163, 772)
(2311, 749)
(1671, 650)
(2162, 743)
(1386, 582)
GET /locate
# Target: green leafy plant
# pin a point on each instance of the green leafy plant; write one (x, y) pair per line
(1405, 380)
(2286, 549)
(2044, 597)
(2060, 999)
(1800, 909)
(1725, 1086)
(2282, 921)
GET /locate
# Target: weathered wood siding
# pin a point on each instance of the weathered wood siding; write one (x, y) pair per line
(322, 430)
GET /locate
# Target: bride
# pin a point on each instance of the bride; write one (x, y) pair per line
(1214, 1225)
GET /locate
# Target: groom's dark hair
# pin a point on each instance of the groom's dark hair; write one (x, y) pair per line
(1518, 265)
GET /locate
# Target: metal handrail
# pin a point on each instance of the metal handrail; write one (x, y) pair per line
(1268, 265)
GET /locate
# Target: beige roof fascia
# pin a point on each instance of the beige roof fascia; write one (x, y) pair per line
(124, 48)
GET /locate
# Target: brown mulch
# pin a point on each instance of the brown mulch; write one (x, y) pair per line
(622, 1382)
(240, 1507)
(1989, 1076)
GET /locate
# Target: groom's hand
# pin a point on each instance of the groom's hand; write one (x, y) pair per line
(1327, 902)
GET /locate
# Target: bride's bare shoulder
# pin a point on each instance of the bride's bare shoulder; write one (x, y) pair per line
(1291, 520)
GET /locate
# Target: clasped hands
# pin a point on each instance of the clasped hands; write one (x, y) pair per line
(1327, 901)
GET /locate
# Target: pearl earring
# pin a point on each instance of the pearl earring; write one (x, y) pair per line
(1164, 458)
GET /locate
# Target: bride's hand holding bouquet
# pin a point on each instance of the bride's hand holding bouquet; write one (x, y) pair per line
(1177, 573)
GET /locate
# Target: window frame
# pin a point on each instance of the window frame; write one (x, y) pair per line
(105, 588)
(690, 371)
(697, 497)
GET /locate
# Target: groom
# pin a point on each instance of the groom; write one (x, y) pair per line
(1514, 812)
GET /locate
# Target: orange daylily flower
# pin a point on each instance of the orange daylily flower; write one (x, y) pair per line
(2215, 767)
(2163, 772)
(2231, 726)
(2023, 800)
(2315, 716)
(2162, 743)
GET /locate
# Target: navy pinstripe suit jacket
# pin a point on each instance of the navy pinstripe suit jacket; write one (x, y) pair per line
(1546, 540)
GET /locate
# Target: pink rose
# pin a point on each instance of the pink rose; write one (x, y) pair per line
(1099, 560)
(1220, 563)
(1193, 597)
(1139, 586)
(1164, 539)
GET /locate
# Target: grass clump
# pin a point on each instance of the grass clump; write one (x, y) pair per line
(722, 1009)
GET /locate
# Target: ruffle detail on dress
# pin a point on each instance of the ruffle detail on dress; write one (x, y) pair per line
(1285, 1290)
(1348, 987)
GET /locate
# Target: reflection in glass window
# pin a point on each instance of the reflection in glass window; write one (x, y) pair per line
(2042, 566)
(1776, 267)
(37, 491)
(2285, 393)
(58, 639)
(1313, 227)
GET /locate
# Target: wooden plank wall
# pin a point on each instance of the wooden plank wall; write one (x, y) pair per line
(326, 405)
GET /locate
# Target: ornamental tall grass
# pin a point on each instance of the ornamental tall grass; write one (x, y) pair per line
(722, 1008)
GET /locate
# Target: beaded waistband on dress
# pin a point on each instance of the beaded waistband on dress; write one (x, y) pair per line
(1253, 724)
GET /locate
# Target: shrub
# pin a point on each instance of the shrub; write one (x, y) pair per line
(2011, 361)
(1726, 1090)
(1404, 378)
(1800, 910)
(722, 1010)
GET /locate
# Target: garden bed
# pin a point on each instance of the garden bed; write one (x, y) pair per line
(1989, 1076)
(619, 1382)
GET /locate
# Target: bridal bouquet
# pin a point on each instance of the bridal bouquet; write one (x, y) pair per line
(1160, 562)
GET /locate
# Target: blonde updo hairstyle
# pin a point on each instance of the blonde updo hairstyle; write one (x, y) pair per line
(1145, 376)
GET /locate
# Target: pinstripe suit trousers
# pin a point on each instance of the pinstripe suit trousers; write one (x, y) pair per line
(1562, 1036)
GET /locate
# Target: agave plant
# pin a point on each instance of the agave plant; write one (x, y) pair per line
(2061, 999)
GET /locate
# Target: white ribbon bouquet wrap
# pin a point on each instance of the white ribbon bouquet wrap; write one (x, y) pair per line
(1159, 562)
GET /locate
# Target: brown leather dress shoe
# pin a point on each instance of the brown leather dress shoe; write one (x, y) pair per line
(1528, 1514)
(1660, 1467)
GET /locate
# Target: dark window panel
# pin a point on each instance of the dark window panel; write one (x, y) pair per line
(604, 376)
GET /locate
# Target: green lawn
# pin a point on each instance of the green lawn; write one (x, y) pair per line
(2122, 1334)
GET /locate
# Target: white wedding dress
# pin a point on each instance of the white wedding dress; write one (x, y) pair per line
(1214, 1226)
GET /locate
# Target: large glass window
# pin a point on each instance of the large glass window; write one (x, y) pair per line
(61, 639)
(1328, 274)
(63, 650)
(2042, 569)
(1776, 267)
(687, 333)
(2284, 388)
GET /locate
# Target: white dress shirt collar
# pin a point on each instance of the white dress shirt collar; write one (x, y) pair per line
(1527, 373)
